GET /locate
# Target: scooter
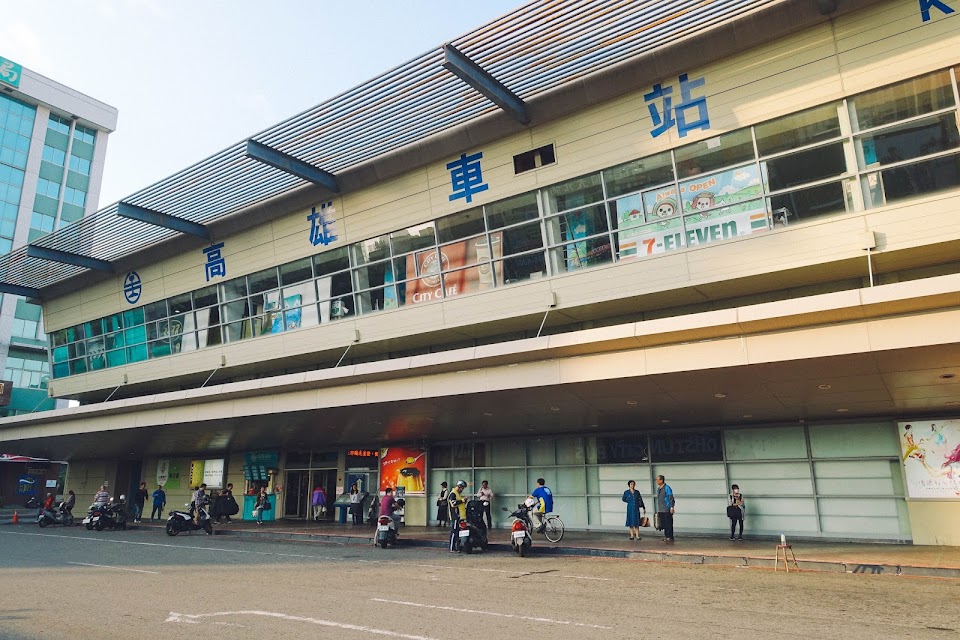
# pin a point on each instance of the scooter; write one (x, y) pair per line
(178, 521)
(94, 514)
(113, 516)
(387, 529)
(59, 515)
(32, 503)
(473, 530)
(520, 538)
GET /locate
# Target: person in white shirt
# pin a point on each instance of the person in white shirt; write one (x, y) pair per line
(486, 495)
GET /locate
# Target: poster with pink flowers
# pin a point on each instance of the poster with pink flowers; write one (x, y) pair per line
(931, 458)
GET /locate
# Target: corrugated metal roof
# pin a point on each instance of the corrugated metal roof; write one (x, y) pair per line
(534, 49)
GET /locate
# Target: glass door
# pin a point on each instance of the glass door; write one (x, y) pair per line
(297, 494)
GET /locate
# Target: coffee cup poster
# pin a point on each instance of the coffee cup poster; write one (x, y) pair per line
(403, 468)
(931, 458)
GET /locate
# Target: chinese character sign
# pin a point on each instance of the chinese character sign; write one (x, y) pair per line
(132, 287)
(931, 458)
(10, 72)
(466, 177)
(926, 5)
(216, 265)
(665, 114)
(321, 224)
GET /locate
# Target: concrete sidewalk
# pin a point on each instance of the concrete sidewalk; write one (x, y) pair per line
(817, 555)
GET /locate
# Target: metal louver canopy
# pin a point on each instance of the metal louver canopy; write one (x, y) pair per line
(536, 48)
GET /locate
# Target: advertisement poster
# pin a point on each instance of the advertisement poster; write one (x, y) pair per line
(213, 473)
(716, 207)
(196, 473)
(403, 468)
(931, 458)
(457, 277)
(163, 472)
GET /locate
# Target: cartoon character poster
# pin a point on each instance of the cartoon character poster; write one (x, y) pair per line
(705, 209)
(931, 458)
(403, 468)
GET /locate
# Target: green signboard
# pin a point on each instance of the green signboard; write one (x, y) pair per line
(10, 72)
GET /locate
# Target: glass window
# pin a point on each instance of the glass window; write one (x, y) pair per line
(331, 261)
(804, 204)
(804, 166)
(910, 140)
(294, 272)
(521, 268)
(133, 317)
(715, 153)
(181, 304)
(370, 250)
(929, 176)
(460, 225)
(233, 289)
(577, 224)
(412, 239)
(586, 253)
(205, 297)
(900, 101)
(263, 280)
(155, 310)
(374, 275)
(525, 238)
(573, 193)
(639, 174)
(377, 300)
(512, 211)
(798, 129)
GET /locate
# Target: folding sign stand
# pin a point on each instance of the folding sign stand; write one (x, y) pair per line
(776, 562)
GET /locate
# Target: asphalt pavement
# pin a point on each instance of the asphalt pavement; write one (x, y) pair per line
(60, 583)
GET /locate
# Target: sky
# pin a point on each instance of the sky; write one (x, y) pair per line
(191, 77)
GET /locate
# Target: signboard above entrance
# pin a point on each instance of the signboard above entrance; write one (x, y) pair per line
(10, 72)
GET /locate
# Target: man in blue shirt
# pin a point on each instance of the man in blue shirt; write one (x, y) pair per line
(543, 506)
(159, 502)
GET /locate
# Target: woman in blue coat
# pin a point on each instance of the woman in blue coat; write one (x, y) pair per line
(635, 509)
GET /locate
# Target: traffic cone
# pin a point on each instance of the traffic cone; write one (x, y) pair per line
(16, 518)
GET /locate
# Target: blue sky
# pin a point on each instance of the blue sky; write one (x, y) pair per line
(191, 77)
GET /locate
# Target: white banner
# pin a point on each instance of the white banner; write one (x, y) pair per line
(213, 473)
(931, 458)
(163, 471)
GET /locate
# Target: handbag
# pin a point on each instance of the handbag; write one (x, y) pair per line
(266, 506)
(733, 512)
(656, 521)
(644, 521)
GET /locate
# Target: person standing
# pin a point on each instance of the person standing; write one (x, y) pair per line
(486, 495)
(443, 507)
(159, 502)
(101, 497)
(228, 504)
(139, 498)
(635, 509)
(355, 503)
(261, 502)
(319, 501)
(458, 512)
(665, 508)
(199, 500)
(735, 510)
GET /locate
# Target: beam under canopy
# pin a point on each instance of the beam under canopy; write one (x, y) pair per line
(17, 290)
(132, 211)
(475, 76)
(294, 166)
(55, 255)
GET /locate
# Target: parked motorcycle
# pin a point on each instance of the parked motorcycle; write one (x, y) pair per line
(32, 503)
(58, 515)
(520, 538)
(387, 529)
(473, 530)
(94, 513)
(179, 521)
(113, 516)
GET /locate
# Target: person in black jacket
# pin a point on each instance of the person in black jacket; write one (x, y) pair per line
(139, 498)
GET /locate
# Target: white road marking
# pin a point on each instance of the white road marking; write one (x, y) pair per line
(491, 613)
(104, 566)
(436, 566)
(588, 578)
(195, 618)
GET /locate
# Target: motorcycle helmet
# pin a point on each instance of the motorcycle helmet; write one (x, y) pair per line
(462, 484)
(122, 498)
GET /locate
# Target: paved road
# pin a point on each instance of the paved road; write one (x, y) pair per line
(128, 583)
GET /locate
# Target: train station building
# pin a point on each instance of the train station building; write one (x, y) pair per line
(589, 242)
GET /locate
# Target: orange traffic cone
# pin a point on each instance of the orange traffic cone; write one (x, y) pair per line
(16, 518)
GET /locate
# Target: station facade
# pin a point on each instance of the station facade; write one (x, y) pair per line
(739, 268)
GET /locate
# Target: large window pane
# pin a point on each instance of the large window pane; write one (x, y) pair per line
(331, 261)
(805, 166)
(907, 141)
(715, 153)
(370, 250)
(577, 224)
(805, 204)
(374, 275)
(376, 299)
(295, 272)
(233, 289)
(520, 268)
(798, 129)
(263, 280)
(930, 176)
(573, 193)
(525, 238)
(460, 225)
(639, 174)
(900, 101)
(586, 253)
(418, 237)
(512, 211)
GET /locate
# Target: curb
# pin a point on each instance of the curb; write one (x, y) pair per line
(674, 557)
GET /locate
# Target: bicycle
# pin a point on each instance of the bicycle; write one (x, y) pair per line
(552, 528)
